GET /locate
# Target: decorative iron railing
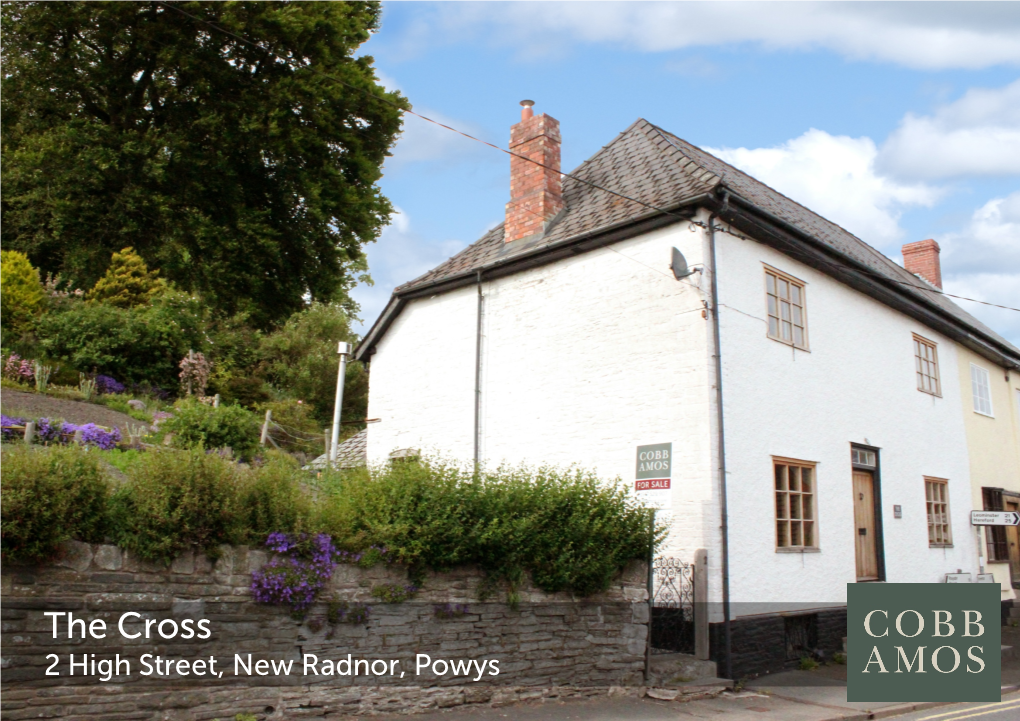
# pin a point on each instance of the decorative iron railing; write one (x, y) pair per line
(672, 605)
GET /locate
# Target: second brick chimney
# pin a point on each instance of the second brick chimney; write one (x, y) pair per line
(922, 258)
(536, 192)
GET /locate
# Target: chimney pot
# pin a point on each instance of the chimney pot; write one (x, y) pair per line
(536, 185)
(922, 258)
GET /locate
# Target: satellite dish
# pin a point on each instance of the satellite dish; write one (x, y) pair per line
(679, 265)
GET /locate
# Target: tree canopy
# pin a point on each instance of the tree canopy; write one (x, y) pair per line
(242, 173)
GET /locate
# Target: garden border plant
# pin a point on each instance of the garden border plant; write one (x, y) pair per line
(565, 529)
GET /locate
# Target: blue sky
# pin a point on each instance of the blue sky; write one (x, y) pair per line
(899, 121)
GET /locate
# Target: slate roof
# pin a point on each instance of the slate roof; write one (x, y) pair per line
(656, 167)
(352, 453)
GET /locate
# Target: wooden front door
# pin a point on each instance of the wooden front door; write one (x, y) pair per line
(864, 526)
(1013, 543)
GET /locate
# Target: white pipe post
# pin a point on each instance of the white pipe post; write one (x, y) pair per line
(343, 350)
(29, 432)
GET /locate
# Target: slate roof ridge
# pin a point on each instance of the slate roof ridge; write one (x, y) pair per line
(738, 171)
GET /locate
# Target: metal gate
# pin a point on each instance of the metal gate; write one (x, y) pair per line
(672, 605)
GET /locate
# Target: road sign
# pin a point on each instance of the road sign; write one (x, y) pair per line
(994, 518)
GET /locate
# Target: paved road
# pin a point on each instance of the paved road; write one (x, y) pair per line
(1006, 710)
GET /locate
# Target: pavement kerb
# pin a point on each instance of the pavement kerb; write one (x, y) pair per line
(898, 709)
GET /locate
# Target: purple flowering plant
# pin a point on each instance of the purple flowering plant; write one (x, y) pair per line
(108, 384)
(300, 570)
(50, 431)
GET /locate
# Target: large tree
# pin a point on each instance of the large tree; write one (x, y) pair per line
(247, 174)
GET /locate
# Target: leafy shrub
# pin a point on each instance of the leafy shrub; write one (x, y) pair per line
(21, 292)
(300, 359)
(176, 500)
(272, 499)
(49, 496)
(567, 528)
(141, 345)
(196, 425)
(128, 282)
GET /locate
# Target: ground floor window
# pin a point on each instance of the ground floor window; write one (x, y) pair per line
(995, 536)
(936, 492)
(795, 503)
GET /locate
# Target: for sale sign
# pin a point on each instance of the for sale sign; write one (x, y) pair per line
(654, 467)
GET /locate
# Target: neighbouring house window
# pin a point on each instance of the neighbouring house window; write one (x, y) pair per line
(936, 492)
(786, 308)
(995, 536)
(795, 504)
(926, 361)
(981, 388)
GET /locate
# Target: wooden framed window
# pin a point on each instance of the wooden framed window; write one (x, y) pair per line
(936, 494)
(786, 307)
(981, 389)
(926, 363)
(995, 536)
(796, 526)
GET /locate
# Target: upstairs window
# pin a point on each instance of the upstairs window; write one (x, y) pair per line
(926, 363)
(981, 389)
(786, 308)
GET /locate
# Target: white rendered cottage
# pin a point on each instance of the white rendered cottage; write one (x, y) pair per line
(563, 337)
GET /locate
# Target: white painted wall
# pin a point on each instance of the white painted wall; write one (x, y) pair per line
(585, 359)
(582, 361)
(857, 384)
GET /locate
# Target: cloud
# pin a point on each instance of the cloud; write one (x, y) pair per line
(916, 35)
(399, 255)
(979, 134)
(982, 260)
(835, 176)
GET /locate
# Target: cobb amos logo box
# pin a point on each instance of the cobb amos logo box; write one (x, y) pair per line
(915, 642)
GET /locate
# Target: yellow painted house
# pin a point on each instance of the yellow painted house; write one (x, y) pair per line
(991, 408)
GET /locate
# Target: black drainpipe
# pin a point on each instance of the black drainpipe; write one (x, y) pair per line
(724, 514)
(478, 372)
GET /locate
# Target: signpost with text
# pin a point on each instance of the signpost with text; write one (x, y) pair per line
(994, 518)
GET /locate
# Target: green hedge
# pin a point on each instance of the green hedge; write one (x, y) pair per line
(47, 496)
(568, 529)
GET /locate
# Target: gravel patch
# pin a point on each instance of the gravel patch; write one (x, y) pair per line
(36, 405)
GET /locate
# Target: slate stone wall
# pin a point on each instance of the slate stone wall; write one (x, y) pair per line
(759, 643)
(550, 645)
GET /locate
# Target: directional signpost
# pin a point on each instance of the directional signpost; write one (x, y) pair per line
(994, 518)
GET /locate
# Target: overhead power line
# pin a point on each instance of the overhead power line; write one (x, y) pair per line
(507, 151)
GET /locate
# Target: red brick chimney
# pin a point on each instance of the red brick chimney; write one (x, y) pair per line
(536, 193)
(922, 258)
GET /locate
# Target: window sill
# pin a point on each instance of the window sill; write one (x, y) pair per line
(940, 545)
(788, 549)
(929, 393)
(789, 344)
(986, 415)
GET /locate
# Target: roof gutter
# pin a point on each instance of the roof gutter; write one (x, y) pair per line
(569, 247)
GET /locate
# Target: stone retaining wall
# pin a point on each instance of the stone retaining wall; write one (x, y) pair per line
(550, 645)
